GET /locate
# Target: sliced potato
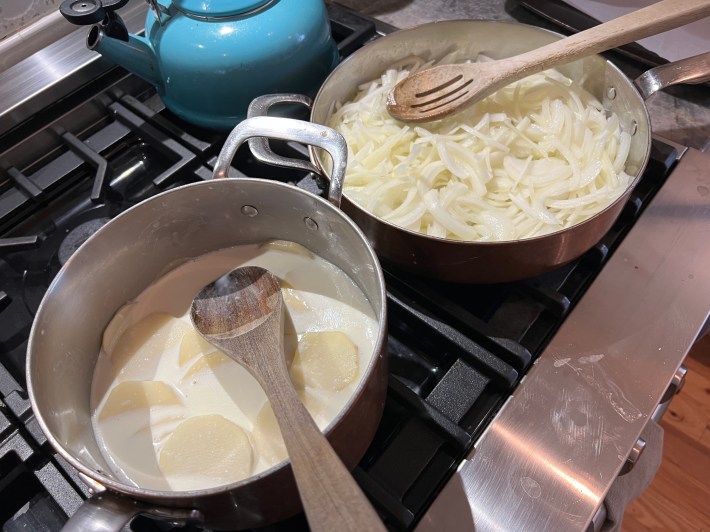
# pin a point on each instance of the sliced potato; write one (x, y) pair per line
(210, 360)
(267, 436)
(316, 407)
(192, 345)
(115, 327)
(132, 395)
(289, 247)
(290, 346)
(325, 360)
(285, 285)
(158, 430)
(148, 339)
(208, 446)
(294, 301)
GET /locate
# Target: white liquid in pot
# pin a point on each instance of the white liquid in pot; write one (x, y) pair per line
(174, 413)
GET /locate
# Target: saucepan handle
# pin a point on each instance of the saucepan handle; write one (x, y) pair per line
(109, 512)
(260, 146)
(288, 129)
(694, 69)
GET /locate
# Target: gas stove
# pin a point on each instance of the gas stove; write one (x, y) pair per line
(460, 356)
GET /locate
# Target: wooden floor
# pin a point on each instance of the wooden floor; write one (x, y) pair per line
(679, 497)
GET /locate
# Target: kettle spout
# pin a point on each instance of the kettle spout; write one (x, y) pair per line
(135, 55)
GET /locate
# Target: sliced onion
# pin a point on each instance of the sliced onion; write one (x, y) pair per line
(536, 156)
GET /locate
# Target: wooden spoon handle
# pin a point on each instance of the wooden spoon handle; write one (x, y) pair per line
(656, 18)
(331, 498)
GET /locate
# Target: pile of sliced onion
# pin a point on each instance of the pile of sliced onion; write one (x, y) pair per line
(535, 157)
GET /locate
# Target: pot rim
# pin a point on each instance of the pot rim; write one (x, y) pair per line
(187, 496)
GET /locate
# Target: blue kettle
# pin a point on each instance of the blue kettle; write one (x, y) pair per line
(209, 59)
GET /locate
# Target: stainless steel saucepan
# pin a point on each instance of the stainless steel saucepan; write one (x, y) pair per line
(487, 262)
(130, 252)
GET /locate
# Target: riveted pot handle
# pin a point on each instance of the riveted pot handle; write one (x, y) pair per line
(694, 69)
(260, 146)
(294, 130)
(109, 512)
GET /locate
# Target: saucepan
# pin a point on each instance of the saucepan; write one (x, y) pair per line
(130, 252)
(489, 262)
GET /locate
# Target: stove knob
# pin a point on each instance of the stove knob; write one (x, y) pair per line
(633, 457)
(676, 384)
(678, 380)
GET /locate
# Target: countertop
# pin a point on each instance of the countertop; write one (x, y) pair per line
(680, 114)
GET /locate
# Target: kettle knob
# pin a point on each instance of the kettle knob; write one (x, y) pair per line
(85, 12)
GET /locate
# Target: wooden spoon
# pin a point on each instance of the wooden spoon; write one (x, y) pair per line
(242, 314)
(442, 90)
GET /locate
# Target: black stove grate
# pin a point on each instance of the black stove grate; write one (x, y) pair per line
(455, 352)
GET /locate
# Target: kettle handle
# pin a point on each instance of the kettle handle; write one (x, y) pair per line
(160, 13)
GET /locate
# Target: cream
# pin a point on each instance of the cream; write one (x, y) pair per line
(172, 412)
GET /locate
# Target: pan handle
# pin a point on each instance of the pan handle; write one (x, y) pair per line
(288, 129)
(106, 511)
(695, 69)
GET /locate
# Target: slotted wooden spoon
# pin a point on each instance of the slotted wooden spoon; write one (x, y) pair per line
(439, 91)
(242, 314)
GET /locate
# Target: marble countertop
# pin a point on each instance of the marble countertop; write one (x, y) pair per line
(680, 114)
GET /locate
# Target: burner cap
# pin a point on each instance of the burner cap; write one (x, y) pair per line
(77, 236)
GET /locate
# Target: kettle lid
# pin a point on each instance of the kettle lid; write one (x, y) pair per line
(218, 8)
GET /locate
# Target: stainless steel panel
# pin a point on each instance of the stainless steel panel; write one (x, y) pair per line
(22, 44)
(551, 454)
(55, 71)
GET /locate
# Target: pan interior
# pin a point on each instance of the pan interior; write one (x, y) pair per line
(130, 252)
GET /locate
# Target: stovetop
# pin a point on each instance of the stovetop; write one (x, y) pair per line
(456, 352)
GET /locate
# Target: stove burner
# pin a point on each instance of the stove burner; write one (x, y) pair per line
(77, 236)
